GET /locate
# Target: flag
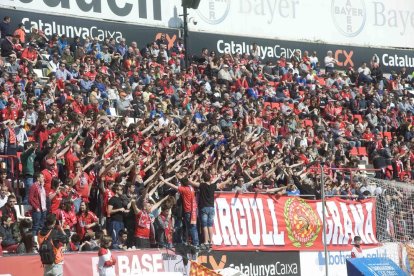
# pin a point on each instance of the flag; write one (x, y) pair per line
(200, 270)
(410, 255)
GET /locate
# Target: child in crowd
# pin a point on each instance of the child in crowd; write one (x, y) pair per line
(106, 263)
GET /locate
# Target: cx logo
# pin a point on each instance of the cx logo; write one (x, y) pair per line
(210, 261)
(344, 58)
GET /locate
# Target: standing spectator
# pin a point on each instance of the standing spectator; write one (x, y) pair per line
(56, 195)
(49, 173)
(163, 225)
(10, 139)
(4, 194)
(106, 263)
(5, 27)
(27, 159)
(58, 240)
(329, 63)
(142, 224)
(21, 135)
(37, 199)
(20, 33)
(81, 180)
(356, 251)
(190, 209)
(313, 59)
(206, 204)
(7, 46)
(116, 212)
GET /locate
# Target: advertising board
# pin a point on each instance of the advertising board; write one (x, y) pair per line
(272, 49)
(148, 12)
(250, 222)
(134, 262)
(315, 261)
(269, 49)
(83, 28)
(249, 263)
(376, 23)
(255, 263)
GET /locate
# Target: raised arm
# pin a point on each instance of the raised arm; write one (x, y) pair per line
(134, 206)
(168, 183)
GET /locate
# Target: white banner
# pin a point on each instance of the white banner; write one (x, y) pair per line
(149, 12)
(313, 263)
(354, 22)
(374, 23)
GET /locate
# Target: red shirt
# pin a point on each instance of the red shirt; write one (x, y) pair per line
(143, 225)
(78, 108)
(48, 179)
(55, 202)
(187, 192)
(9, 114)
(29, 55)
(43, 134)
(82, 186)
(67, 218)
(368, 136)
(70, 160)
(91, 75)
(83, 220)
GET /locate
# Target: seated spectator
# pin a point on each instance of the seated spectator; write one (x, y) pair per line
(11, 241)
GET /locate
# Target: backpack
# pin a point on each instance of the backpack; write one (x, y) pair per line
(46, 250)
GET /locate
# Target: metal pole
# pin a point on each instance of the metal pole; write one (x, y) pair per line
(324, 218)
(185, 36)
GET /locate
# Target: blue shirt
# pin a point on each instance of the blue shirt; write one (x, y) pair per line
(155, 112)
(86, 84)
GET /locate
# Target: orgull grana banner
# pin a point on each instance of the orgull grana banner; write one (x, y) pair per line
(353, 22)
(264, 222)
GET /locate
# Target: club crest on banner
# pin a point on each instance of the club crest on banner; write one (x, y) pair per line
(302, 223)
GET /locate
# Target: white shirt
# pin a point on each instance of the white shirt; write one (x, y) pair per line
(3, 201)
(329, 61)
(313, 59)
(21, 136)
(365, 71)
(31, 118)
(163, 121)
(357, 252)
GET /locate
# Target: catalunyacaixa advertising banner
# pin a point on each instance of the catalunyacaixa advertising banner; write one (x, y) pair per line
(264, 222)
(390, 59)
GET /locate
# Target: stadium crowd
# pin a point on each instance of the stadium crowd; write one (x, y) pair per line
(132, 142)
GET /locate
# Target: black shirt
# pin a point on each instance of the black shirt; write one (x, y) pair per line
(116, 203)
(207, 194)
(6, 48)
